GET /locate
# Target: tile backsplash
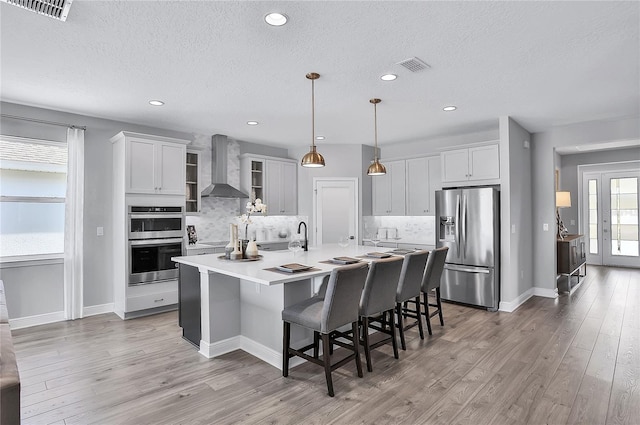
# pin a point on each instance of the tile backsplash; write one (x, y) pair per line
(212, 224)
(416, 229)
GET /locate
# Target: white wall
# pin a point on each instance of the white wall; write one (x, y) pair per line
(544, 162)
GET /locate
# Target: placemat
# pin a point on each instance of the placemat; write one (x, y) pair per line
(369, 257)
(273, 269)
(334, 263)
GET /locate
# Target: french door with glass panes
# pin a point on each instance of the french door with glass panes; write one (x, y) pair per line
(610, 212)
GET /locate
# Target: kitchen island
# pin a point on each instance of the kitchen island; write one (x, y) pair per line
(241, 301)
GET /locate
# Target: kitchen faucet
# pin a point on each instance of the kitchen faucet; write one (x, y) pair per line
(306, 241)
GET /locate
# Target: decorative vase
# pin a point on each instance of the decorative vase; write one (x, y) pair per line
(243, 247)
(251, 251)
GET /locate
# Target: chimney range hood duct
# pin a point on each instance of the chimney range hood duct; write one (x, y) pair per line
(219, 188)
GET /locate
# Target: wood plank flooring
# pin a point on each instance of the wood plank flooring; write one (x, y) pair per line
(572, 360)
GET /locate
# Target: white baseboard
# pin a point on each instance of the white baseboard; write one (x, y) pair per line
(40, 319)
(511, 306)
(221, 347)
(97, 309)
(264, 353)
(544, 292)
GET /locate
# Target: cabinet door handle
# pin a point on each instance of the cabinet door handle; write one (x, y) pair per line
(157, 301)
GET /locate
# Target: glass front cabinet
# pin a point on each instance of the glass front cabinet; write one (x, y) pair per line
(192, 194)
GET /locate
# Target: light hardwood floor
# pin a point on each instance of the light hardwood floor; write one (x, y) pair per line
(575, 359)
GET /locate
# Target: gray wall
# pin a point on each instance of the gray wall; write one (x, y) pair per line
(569, 177)
(341, 161)
(28, 285)
(433, 146)
(515, 206)
(544, 163)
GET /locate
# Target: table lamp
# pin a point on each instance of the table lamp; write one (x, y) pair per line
(563, 200)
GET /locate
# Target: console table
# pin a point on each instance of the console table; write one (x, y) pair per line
(571, 257)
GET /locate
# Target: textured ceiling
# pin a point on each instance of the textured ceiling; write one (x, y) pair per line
(217, 64)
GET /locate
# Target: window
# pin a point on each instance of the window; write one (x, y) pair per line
(593, 216)
(33, 175)
(624, 216)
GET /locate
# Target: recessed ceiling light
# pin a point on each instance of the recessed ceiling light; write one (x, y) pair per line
(252, 122)
(156, 102)
(319, 137)
(388, 77)
(450, 108)
(276, 19)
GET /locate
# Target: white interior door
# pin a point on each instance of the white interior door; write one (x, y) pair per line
(611, 217)
(335, 209)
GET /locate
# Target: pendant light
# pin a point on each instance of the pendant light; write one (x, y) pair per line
(376, 168)
(313, 158)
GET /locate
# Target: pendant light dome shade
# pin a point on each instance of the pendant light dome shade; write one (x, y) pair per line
(313, 159)
(376, 168)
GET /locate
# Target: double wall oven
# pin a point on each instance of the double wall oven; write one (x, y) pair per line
(155, 235)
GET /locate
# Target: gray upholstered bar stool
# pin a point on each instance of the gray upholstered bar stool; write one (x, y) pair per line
(409, 286)
(323, 315)
(431, 283)
(378, 301)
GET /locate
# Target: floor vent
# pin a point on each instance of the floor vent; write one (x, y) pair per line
(56, 9)
(414, 64)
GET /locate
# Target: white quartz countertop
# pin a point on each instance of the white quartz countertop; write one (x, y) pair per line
(254, 271)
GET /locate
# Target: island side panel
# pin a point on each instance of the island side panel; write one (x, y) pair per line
(220, 313)
(261, 318)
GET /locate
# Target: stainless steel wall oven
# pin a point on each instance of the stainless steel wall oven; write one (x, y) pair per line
(155, 235)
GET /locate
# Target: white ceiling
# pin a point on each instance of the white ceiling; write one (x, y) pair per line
(217, 64)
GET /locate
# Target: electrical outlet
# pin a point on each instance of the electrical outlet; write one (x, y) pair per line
(573, 222)
(100, 231)
(513, 228)
(545, 227)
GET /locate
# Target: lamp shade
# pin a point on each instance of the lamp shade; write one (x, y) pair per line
(563, 199)
(376, 169)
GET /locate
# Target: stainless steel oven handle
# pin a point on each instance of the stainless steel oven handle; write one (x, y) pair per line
(156, 215)
(154, 242)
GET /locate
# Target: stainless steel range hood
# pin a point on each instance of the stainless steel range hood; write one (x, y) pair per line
(220, 188)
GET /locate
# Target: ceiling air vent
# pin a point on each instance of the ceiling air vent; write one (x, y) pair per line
(56, 9)
(413, 64)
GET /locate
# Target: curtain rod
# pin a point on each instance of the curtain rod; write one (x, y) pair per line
(43, 121)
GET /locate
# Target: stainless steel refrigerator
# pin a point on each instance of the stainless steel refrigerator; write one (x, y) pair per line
(468, 222)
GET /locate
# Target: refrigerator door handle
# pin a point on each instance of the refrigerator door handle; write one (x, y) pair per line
(467, 269)
(464, 226)
(457, 218)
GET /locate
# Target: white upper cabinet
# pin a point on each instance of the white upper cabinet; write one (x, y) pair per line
(153, 164)
(477, 164)
(389, 190)
(423, 179)
(274, 180)
(281, 188)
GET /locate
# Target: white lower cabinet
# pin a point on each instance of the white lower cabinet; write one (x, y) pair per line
(143, 297)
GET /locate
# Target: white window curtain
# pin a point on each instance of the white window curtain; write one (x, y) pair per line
(74, 205)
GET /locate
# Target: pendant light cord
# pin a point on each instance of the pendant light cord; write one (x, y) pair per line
(375, 126)
(313, 113)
